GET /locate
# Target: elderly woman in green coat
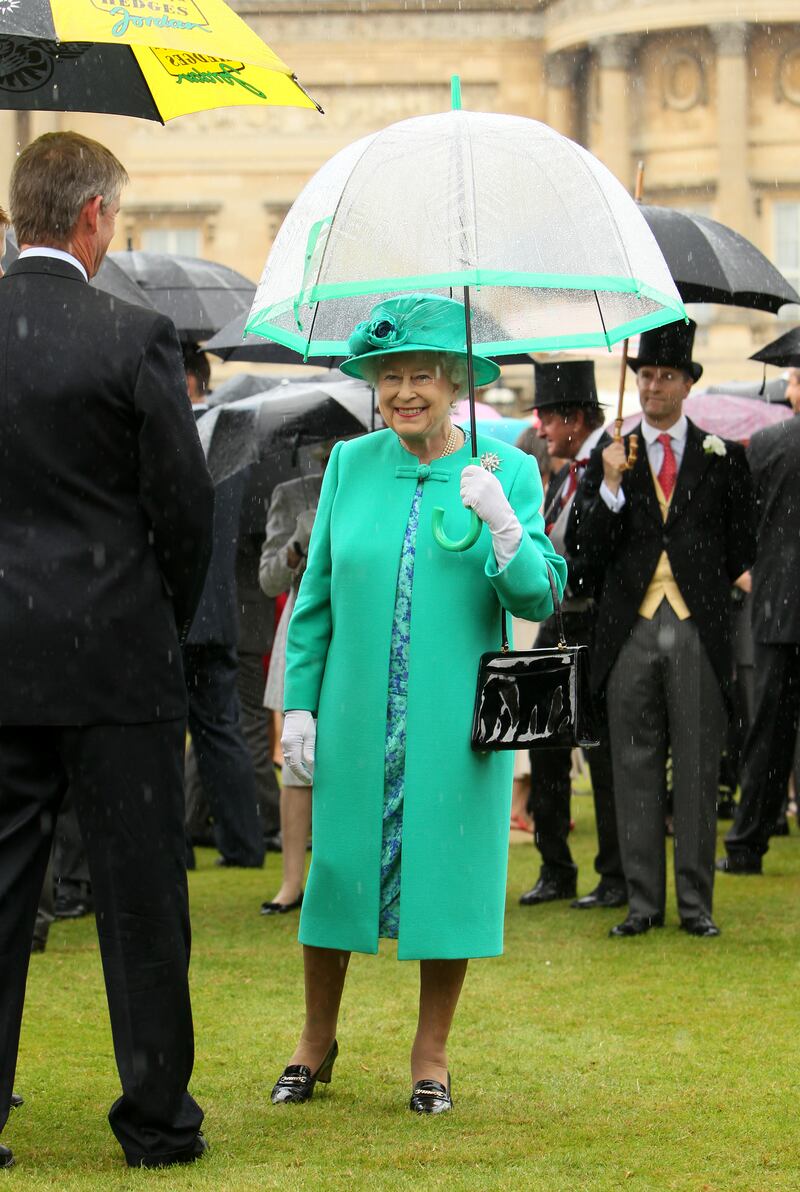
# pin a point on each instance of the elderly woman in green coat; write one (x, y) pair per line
(410, 826)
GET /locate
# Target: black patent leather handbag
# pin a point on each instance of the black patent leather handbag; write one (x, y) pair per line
(534, 699)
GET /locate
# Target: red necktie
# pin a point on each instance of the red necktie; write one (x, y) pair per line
(575, 470)
(669, 467)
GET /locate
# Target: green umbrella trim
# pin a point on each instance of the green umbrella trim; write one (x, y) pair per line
(259, 324)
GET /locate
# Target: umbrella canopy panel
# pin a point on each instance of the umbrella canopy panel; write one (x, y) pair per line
(712, 263)
(729, 415)
(784, 352)
(233, 343)
(242, 432)
(556, 250)
(199, 296)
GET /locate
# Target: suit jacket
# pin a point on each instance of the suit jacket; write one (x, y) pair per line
(709, 537)
(256, 610)
(289, 500)
(105, 504)
(583, 579)
(216, 621)
(774, 458)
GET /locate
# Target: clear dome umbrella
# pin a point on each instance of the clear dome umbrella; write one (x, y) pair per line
(547, 248)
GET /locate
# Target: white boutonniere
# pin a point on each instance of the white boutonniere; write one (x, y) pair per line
(713, 445)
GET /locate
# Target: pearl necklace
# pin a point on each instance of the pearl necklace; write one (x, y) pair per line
(450, 445)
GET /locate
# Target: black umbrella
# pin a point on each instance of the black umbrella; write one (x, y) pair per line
(784, 352)
(240, 433)
(199, 296)
(231, 343)
(712, 263)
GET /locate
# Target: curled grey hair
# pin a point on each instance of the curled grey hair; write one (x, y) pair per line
(51, 181)
(453, 367)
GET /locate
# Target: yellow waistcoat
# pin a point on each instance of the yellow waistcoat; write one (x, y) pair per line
(663, 585)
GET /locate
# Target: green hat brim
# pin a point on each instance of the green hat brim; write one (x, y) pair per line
(485, 370)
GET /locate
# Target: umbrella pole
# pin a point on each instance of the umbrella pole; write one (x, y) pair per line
(437, 521)
(633, 442)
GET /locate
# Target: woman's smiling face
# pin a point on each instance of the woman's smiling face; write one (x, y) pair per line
(415, 395)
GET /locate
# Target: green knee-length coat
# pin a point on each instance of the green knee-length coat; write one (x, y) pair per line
(456, 802)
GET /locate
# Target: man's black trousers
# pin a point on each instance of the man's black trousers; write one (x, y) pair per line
(551, 787)
(126, 782)
(768, 750)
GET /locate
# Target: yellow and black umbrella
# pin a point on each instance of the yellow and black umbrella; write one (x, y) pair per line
(156, 59)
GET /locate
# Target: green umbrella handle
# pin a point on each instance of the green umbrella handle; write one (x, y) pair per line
(456, 544)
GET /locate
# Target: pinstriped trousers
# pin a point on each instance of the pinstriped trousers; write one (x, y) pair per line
(663, 694)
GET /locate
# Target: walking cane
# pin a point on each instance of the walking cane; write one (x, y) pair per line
(633, 442)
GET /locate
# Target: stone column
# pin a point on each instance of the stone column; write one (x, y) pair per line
(614, 58)
(733, 183)
(562, 108)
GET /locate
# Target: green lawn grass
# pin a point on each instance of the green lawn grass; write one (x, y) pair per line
(578, 1062)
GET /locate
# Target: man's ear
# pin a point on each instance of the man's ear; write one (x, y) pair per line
(90, 213)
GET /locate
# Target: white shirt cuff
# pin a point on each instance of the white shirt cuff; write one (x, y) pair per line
(613, 501)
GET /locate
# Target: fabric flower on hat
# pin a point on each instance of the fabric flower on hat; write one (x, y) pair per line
(381, 332)
(714, 445)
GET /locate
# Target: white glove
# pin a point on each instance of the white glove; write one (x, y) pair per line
(483, 492)
(298, 741)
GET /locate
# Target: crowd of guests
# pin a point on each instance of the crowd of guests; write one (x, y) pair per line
(137, 599)
(663, 543)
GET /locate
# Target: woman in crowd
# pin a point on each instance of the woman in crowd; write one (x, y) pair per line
(280, 569)
(410, 826)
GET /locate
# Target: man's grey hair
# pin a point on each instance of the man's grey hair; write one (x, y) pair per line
(453, 367)
(51, 181)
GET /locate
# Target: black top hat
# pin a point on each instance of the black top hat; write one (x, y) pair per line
(567, 383)
(668, 347)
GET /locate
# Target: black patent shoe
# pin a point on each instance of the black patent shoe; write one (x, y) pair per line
(606, 897)
(431, 1096)
(702, 925)
(6, 1157)
(636, 925)
(190, 1154)
(549, 890)
(296, 1083)
(281, 908)
(16, 1101)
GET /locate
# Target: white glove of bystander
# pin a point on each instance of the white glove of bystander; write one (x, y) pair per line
(298, 741)
(483, 492)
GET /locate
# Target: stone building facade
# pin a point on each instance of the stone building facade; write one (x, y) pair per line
(710, 104)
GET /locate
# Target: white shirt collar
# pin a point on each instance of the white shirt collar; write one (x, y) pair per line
(677, 431)
(588, 445)
(59, 255)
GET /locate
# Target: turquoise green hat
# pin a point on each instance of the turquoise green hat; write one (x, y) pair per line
(414, 323)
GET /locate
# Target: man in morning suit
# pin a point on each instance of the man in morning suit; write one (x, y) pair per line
(673, 534)
(105, 531)
(774, 458)
(571, 423)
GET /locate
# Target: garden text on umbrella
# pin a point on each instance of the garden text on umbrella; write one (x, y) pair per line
(547, 247)
(156, 60)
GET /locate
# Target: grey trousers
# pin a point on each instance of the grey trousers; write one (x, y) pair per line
(663, 694)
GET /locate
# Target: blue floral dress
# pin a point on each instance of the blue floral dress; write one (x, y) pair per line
(394, 771)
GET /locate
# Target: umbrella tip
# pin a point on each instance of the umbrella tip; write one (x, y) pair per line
(455, 93)
(763, 388)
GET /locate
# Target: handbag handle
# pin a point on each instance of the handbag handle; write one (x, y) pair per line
(562, 641)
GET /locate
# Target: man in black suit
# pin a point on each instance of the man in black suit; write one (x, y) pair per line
(774, 458)
(571, 423)
(672, 534)
(105, 529)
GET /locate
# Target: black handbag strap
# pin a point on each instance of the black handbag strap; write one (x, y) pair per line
(562, 641)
